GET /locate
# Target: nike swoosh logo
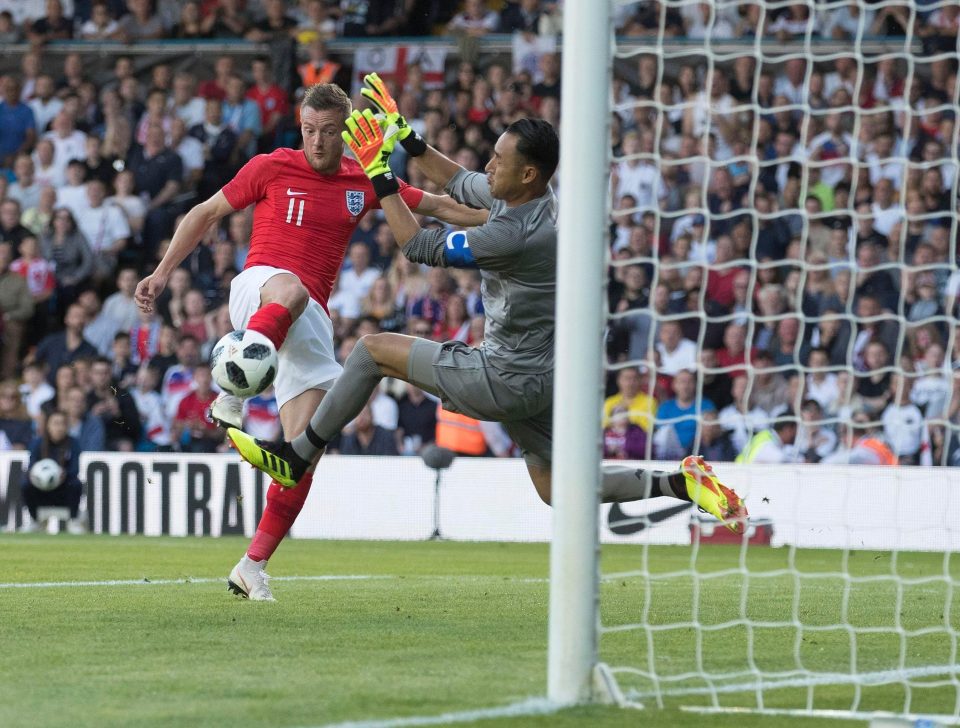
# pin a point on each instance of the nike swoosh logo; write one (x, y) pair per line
(291, 192)
(624, 525)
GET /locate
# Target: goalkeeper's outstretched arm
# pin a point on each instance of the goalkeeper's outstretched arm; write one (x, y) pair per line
(438, 168)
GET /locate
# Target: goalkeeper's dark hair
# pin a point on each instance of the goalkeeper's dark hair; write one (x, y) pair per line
(537, 141)
(327, 97)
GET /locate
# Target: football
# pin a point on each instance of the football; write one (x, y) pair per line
(244, 363)
(45, 474)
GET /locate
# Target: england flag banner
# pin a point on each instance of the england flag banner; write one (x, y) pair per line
(391, 63)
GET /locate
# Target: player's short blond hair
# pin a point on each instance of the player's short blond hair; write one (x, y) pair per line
(327, 97)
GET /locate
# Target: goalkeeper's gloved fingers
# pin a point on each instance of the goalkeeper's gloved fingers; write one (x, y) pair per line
(365, 139)
(376, 91)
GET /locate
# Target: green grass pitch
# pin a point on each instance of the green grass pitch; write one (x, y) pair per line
(437, 628)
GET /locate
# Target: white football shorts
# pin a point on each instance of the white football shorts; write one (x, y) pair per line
(306, 359)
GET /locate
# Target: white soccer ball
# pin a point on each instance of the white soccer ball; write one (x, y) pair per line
(45, 474)
(244, 363)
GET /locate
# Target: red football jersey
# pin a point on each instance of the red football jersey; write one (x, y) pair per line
(303, 220)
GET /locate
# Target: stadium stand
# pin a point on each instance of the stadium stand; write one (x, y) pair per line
(117, 117)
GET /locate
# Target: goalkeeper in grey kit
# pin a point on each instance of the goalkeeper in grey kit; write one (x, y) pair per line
(509, 377)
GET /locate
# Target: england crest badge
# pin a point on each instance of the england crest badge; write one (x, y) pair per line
(355, 200)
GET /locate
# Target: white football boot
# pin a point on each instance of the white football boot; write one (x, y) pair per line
(227, 411)
(249, 580)
(76, 526)
(31, 526)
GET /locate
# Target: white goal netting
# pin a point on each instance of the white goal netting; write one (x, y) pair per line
(783, 290)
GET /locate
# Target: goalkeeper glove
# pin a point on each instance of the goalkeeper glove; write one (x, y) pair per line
(365, 139)
(377, 92)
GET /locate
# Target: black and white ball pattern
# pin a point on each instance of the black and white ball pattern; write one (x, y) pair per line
(244, 363)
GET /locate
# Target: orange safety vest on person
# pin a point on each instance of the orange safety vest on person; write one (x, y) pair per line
(312, 75)
(459, 433)
(886, 455)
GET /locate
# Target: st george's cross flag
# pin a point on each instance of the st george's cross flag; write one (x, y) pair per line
(391, 63)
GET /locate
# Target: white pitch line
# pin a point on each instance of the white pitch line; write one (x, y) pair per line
(861, 715)
(531, 706)
(187, 580)
(208, 580)
(884, 677)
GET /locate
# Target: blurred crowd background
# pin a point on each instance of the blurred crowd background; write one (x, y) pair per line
(782, 236)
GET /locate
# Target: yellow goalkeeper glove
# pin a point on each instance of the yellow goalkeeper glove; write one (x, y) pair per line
(376, 92)
(365, 139)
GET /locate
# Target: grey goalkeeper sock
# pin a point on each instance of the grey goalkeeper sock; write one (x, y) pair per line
(360, 377)
(621, 483)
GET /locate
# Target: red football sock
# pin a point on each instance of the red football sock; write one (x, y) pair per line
(283, 507)
(273, 321)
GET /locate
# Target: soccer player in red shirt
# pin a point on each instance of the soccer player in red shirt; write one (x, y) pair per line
(308, 204)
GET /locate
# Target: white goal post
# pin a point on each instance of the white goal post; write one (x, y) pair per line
(816, 133)
(581, 262)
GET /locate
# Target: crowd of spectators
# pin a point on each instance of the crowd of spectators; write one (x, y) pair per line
(783, 236)
(784, 239)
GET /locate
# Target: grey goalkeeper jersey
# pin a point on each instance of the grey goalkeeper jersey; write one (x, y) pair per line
(516, 252)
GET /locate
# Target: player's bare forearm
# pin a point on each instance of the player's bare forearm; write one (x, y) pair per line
(438, 168)
(191, 229)
(448, 210)
(402, 223)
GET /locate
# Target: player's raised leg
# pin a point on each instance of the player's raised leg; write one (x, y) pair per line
(374, 357)
(694, 481)
(282, 299)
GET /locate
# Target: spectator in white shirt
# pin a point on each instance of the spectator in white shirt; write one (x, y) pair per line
(190, 149)
(475, 20)
(738, 418)
(385, 410)
(886, 211)
(25, 190)
(822, 386)
(185, 104)
(697, 19)
(68, 142)
(815, 440)
(843, 23)
(904, 427)
(156, 424)
(355, 282)
(73, 194)
(639, 178)
(44, 104)
(133, 206)
(100, 26)
(46, 171)
(35, 389)
(673, 351)
(843, 76)
(794, 23)
(120, 307)
(932, 391)
(792, 84)
(881, 163)
(105, 227)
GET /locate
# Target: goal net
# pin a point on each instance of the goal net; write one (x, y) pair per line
(783, 290)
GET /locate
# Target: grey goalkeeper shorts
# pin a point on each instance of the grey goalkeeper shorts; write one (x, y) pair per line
(466, 383)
